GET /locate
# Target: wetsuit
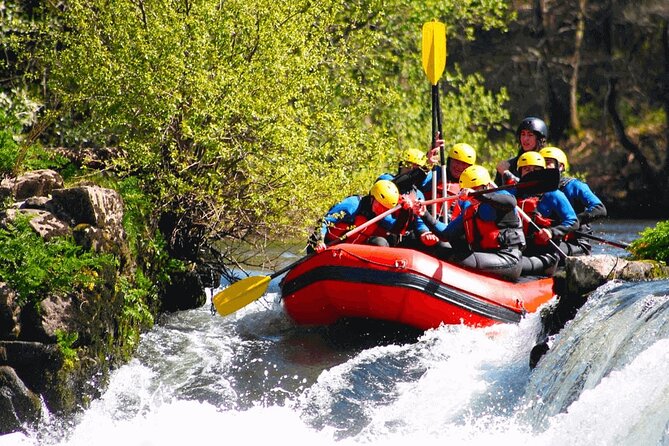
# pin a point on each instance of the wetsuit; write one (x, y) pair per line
(486, 236)
(588, 207)
(551, 210)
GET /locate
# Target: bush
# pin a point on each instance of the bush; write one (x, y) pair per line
(653, 243)
(34, 267)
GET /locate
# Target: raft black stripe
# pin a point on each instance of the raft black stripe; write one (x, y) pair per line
(430, 287)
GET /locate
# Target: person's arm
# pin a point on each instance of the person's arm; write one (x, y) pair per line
(442, 230)
(343, 211)
(594, 208)
(555, 204)
(501, 200)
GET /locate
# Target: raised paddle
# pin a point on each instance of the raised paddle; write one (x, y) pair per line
(602, 240)
(434, 62)
(535, 182)
(245, 291)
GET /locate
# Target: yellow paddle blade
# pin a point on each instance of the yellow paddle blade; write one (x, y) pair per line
(434, 50)
(240, 294)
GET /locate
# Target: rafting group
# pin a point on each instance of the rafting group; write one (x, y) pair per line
(507, 232)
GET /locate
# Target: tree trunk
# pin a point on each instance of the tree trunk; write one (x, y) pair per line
(665, 95)
(576, 62)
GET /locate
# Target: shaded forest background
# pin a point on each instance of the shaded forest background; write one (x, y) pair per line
(228, 126)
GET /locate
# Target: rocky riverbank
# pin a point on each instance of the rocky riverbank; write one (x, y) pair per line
(56, 351)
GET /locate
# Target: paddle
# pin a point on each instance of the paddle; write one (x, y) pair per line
(434, 62)
(535, 182)
(245, 291)
(537, 228)
(602, 240)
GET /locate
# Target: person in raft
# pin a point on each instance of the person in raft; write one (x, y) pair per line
(409, 230)
(460, 156)
(586, 204)
(355, 210)
(487, 235)
(551, 213)
(531, 134)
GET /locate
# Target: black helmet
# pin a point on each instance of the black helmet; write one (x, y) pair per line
(534, 124)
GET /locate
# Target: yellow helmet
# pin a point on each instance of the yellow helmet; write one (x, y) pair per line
(463, 152)
(555, 153)
(474, 176)
(386, 193)
(531, 159)
(414, 156)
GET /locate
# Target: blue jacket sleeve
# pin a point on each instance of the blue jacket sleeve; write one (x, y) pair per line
(586, 204)
(344, 211)
(449, 231)
(556, 206)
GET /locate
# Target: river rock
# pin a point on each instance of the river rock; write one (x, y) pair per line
(92, 205)
(18, 405)
(10, 325)
(38, 183)
(43, 222)
(586, 273)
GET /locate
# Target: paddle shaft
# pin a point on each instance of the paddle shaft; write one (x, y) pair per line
(537, 228)
(353, 231)
(436, 129)
(602, 240)
(473, 194)
(538, 181)
(434, 62)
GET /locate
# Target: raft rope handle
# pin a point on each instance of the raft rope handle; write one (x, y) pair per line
(397, 263)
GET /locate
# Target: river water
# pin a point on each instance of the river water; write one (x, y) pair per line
(255, 377)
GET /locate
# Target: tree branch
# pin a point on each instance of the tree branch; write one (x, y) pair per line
(646, 169)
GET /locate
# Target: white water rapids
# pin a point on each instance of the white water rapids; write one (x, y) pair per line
(254, 377)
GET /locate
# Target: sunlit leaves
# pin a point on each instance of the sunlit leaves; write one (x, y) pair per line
(253, 117)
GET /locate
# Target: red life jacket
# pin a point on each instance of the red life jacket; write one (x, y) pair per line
(529, 206)
(480, 234)
(337, 230)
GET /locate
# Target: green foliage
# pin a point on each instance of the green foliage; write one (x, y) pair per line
(35, 157)
(653, 243)
(251, 117)
(65, 343)
(136, 312)
(9, 149)
(146, 243)
(34, 267)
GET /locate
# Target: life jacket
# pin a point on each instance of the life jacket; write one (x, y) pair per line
(529, 206)
(337, 230)
(363, 214)
(480, 234)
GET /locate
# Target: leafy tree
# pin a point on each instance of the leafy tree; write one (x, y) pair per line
(246, 120)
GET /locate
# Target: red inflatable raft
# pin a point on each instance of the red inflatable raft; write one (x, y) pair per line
(403, 286)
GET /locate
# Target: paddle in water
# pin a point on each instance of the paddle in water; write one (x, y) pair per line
(245, 291)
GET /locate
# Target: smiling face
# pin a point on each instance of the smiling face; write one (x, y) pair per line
(528, 140)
